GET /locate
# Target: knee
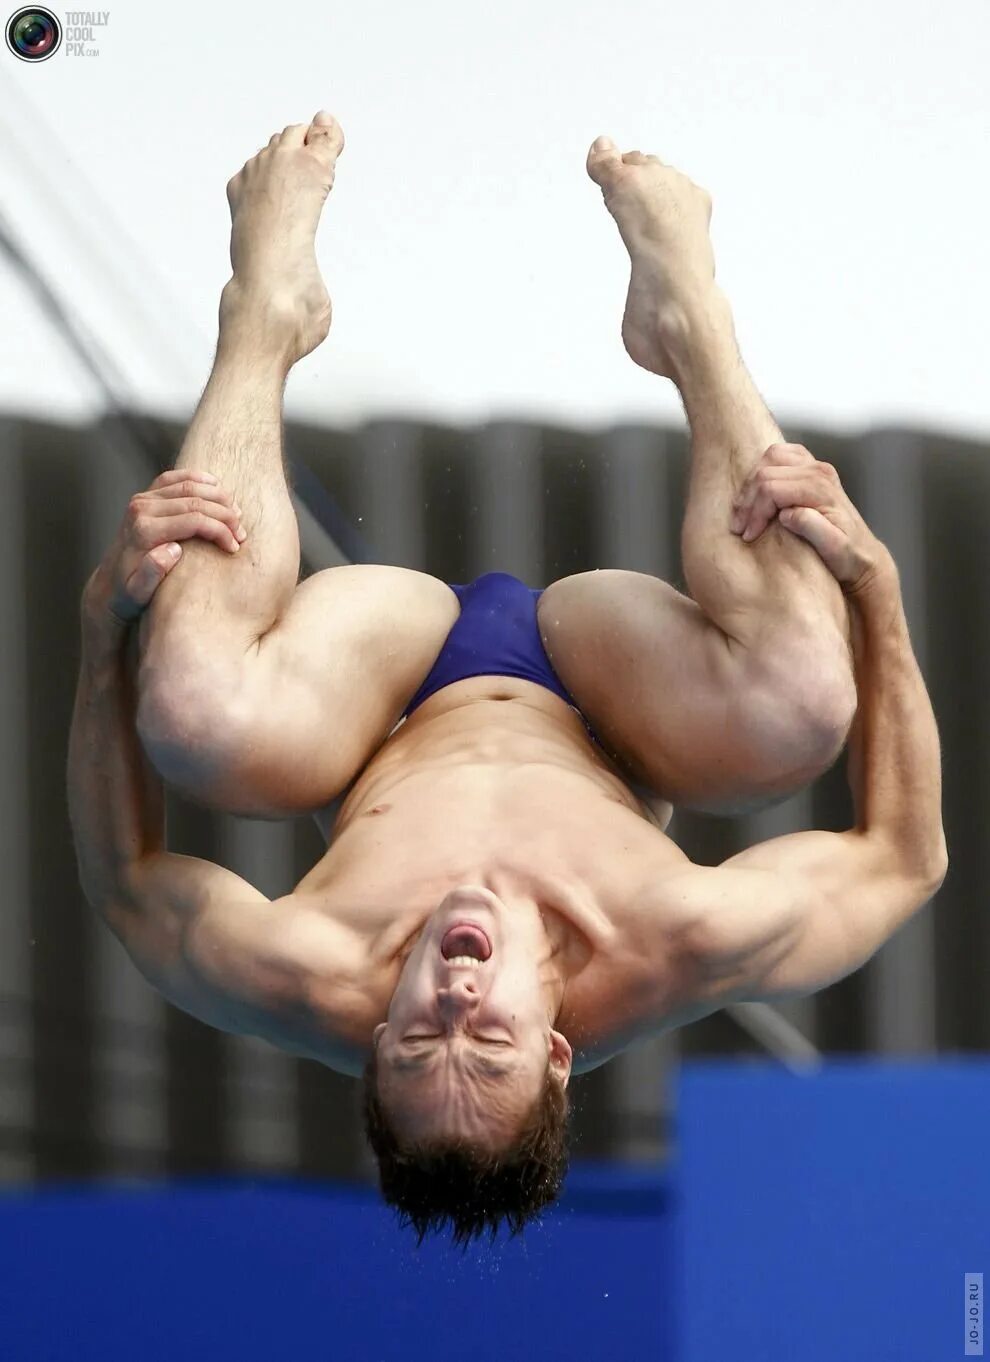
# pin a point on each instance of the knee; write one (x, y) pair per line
(837, 710)
(193, 729)
(830, 699)
(809, 700)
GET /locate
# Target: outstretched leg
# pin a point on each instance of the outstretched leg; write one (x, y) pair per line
(746, 692)
(253, 692)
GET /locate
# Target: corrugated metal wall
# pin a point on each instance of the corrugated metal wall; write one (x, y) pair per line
(98, 1075)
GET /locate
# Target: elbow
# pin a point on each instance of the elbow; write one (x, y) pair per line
(920, 863)
(935, 868)
(939, 868)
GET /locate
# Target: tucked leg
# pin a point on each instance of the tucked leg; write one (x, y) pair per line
(744, 693)
(254, 695)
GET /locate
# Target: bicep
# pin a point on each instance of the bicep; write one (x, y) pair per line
(202, 936)
(238, 961)
(807, 910)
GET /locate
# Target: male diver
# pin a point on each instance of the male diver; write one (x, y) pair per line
(499, 905)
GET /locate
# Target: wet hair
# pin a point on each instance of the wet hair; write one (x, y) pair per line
(440, 1181)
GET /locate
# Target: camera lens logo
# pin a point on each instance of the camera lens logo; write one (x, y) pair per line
(34, 34)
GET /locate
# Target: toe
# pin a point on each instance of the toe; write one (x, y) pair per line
(325, 136)
(294, 135)
(603, 159)
(274, 140)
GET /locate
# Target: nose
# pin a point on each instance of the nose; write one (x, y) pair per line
(460, 996)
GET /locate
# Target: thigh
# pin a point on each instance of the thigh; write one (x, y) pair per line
(685, 709)
(308, 704)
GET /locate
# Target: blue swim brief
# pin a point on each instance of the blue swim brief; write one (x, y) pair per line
(496, 634)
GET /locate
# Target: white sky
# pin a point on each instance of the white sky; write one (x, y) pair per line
(473, 267)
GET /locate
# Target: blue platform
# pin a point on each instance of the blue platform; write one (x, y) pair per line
(272, 1272)
(822, 1219)
(831, 1218)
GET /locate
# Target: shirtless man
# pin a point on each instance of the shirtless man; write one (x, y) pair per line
(498, 909)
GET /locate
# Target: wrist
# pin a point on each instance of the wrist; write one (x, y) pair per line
(100, 624)
(879, 581)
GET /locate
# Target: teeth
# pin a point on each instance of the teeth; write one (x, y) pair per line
(463, 960)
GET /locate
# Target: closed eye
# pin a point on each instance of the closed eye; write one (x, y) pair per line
(414, 1055)
(484, 1039)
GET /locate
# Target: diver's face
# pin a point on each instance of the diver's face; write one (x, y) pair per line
(465, 1048)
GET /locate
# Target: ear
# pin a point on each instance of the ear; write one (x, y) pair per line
(561, 1056)
(376, 1033)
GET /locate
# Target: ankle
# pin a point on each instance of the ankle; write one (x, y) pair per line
(699, 336)
(257, 327)
(695, 321)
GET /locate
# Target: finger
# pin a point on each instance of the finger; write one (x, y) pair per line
(760, 497)
(826, 539)
(777, 496)
(192, 525)
(776, 456)
(207, 491)
(774, 493)
(762, 508)
(749, 491)
(189, 488)
(177, 474)
(161, 506)
(813, 478)
(753, 486)
(753, 520)
(788, 453)
(779, 456)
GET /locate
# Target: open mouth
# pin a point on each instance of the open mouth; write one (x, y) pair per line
(465, 940)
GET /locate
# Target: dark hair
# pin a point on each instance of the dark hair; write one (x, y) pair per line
(433, 1182)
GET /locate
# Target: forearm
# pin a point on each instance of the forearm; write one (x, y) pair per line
(895, 765)
(116, 800)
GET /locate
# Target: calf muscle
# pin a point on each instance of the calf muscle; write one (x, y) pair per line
(236, 434)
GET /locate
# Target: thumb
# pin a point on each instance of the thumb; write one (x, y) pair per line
(152, 570)
(826, 539)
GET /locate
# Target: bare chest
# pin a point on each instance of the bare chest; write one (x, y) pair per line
(533, 816)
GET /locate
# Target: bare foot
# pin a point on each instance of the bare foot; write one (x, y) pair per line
(277, 296)
(663, 218)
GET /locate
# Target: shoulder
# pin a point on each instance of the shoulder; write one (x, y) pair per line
(329, 1009)
(643, 983)
(688, 941)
